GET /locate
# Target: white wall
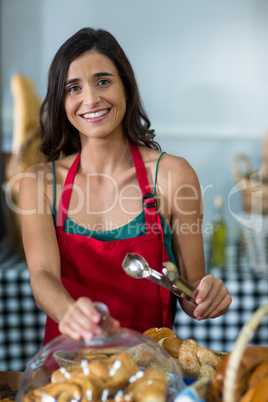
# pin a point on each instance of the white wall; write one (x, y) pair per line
(201, 66)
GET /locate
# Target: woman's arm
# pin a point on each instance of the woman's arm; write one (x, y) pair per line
(186, 223)
(76, 319)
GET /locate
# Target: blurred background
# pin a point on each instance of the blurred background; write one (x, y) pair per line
(202, 71)
(201, 67)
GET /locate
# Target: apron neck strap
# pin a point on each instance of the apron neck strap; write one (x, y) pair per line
(148, 199)
(66, 194)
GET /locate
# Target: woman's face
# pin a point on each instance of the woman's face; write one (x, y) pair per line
(95, 99)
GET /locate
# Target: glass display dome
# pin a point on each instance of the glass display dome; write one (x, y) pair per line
(119, 365)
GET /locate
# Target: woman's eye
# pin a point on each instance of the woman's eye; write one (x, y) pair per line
(102, 83)
(73, 89)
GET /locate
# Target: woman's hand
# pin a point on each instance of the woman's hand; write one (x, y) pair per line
(213, 298)
(82, 320)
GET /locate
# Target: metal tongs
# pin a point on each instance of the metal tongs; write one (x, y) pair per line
(137, 267)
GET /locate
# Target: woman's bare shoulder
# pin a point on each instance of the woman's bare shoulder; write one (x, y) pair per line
(178, 165)
(169, 165)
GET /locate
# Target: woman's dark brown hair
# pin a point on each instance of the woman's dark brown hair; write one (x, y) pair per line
(59, 136)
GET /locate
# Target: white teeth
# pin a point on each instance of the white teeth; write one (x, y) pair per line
(96, 114)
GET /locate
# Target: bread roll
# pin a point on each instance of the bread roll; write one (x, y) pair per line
(171, 344)
(207, 358)
(188, 359)
(253, 356)
(158, 333)
(259, 393)
(260, 372)
(65, 373)
(151, 387)
(114, 372)
(116, 378)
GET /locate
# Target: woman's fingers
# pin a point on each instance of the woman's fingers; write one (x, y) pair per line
(81, 320)
(213, 298)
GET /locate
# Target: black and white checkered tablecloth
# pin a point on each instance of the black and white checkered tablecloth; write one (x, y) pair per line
(22, 322)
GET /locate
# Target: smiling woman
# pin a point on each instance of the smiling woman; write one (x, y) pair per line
(105, 191)
(95, 105)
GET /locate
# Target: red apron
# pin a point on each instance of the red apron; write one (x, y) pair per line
(93, 268)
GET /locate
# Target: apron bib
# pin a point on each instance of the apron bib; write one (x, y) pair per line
(93, 268)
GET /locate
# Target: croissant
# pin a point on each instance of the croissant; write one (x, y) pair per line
(115, 378)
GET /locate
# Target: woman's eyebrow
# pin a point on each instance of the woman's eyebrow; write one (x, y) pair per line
(103, 74)
(71, 81)
(100, 74)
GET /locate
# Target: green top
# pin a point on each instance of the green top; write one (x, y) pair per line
(134, 228)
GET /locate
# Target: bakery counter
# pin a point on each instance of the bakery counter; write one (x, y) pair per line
(22, 322)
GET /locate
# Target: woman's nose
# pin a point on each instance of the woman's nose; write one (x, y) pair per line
(91, 97)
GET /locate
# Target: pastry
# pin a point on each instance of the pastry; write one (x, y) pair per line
(172, 345)
(150, 387)
(188, 359)
(158, 333)
(253, 356)
(115, 378)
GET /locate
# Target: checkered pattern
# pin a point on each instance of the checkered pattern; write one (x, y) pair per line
(22, 323)
(248, 293)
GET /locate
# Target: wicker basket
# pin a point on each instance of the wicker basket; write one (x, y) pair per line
(239, 347)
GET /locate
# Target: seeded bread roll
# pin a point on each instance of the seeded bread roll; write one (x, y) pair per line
(188, 359)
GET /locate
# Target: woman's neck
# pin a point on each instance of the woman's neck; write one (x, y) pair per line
(104, 156)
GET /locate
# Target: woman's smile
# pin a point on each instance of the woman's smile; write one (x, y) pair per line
(96, 116)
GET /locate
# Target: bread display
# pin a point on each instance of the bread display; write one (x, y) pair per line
(193, 360)
(98, 379)
(126, 366)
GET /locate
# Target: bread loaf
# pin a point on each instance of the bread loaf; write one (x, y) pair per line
(251, 359)
(26, 109)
